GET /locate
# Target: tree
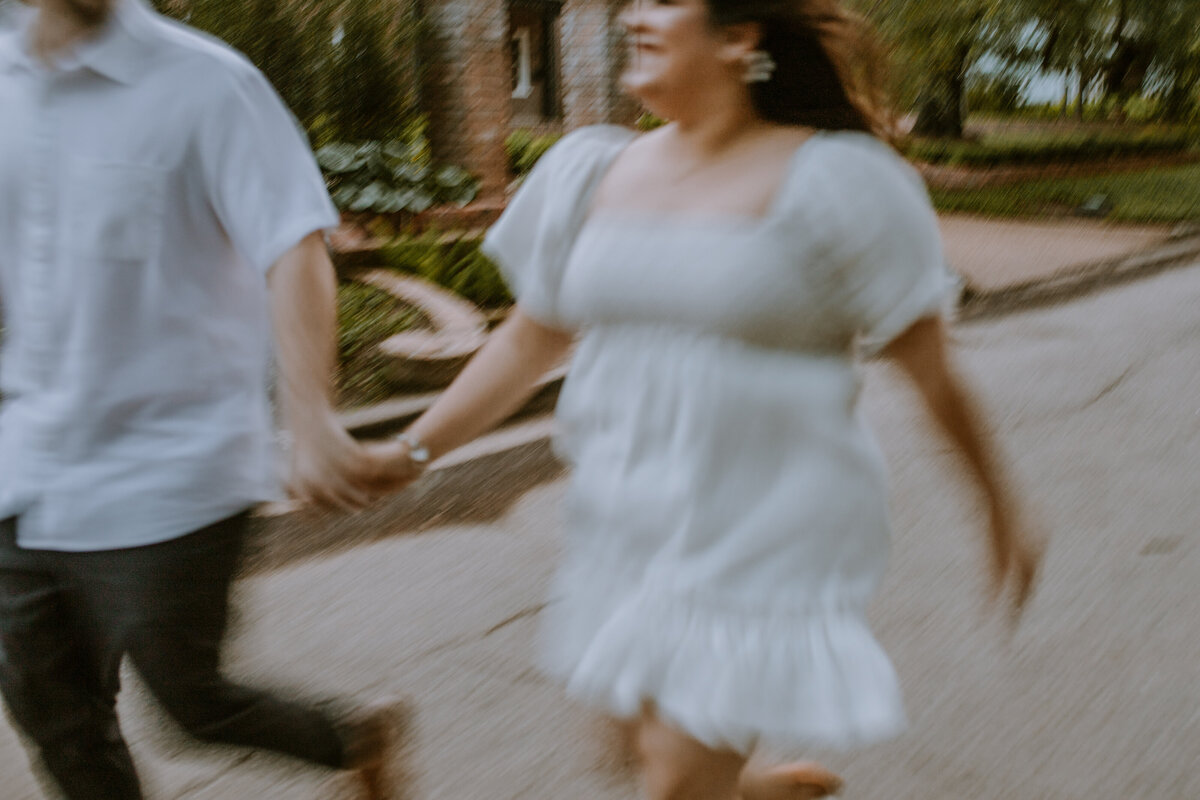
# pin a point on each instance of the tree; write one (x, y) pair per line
(1169, 29)
(1074, 38)
(937, 45)
(348, 69)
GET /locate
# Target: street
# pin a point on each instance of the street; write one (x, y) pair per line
(1097, 695)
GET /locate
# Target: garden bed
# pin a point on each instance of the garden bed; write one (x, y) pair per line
(368, 316)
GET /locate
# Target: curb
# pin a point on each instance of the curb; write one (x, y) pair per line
(1181, 248)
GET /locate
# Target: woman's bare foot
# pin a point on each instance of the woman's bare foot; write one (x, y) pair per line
(800, 780)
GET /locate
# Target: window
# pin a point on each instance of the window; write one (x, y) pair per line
(522, 65)
(534, 49)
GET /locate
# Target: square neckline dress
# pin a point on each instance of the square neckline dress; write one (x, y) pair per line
(727, 518)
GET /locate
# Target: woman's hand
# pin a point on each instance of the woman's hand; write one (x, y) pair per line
(395, 468)
(1015, 560)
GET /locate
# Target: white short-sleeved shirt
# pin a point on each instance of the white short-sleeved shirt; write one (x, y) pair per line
(728, 507)
(147, 184)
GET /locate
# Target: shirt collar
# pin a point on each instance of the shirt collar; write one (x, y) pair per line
(118, 52)
(14, 35)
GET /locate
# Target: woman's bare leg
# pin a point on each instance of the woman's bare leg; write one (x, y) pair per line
(677, 767)
(801, 780)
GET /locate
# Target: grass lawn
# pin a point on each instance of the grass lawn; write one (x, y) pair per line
(1169, 194)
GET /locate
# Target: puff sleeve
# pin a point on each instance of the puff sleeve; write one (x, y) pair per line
(890, 247)
(532, 240)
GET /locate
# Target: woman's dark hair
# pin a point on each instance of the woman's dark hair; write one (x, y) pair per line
(829, 67)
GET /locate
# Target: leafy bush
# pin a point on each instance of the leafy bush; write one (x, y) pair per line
(1048, 149)
(648, 122)
(374, 72)
(392, 177)
(456, 264)
(525, 149)
(1166, 195)
(366, 317)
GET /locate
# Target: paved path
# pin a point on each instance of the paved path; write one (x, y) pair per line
(993, 253)
(1097, 697)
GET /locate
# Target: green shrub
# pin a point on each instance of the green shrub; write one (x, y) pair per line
(374, 72)
(392, 177)
(994, 94)
(1163, 195)
(456, 264)
(648, 122)
(525, 149)
(1048, 148)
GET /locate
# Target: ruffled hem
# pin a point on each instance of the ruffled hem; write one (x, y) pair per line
(782, 682)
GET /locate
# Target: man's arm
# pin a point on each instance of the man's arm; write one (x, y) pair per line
(327, 465)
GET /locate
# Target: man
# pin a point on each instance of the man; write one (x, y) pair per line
(159, 210)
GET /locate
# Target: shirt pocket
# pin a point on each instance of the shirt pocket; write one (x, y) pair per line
(114, 210)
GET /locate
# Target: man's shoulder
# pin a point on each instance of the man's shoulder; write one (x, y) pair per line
(202, 56)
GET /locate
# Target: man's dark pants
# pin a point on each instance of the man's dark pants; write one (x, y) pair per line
(66, 619)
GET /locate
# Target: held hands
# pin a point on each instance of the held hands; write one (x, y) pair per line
(329, 468)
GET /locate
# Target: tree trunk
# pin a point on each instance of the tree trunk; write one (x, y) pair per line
(941, 107)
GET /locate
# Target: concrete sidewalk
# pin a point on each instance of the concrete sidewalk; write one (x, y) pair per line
(993, 254)
(436, 595)
(1008, 265)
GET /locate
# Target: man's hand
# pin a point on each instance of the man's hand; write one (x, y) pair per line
(328, 468)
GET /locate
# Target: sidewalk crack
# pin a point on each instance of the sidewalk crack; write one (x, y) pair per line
(532, 611)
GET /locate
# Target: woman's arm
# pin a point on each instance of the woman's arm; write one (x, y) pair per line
(921, 353)
(497, 382)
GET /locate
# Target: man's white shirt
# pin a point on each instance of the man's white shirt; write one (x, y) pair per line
(147, 184)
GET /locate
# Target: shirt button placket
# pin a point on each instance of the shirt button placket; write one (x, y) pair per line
(42, 227)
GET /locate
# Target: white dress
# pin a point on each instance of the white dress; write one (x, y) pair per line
(727, 516)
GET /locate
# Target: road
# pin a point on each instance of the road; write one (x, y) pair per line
(1097, 696)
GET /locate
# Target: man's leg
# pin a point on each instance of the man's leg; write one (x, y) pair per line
(167, 606)
(51, 685)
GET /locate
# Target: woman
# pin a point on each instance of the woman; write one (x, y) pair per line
(728, 507)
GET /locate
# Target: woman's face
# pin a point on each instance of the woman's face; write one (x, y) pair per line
(673, 49)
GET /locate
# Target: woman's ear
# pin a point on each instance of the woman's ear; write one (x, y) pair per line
(738, 40)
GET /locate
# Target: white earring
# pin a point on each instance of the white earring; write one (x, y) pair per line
(760, 67)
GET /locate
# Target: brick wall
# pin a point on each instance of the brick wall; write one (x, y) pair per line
(592, 56)
(468, 95)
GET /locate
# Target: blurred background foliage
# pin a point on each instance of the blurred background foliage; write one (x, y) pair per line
(984, 55)
(350, 70)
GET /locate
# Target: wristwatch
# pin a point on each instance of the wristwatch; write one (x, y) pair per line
(418, 453)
